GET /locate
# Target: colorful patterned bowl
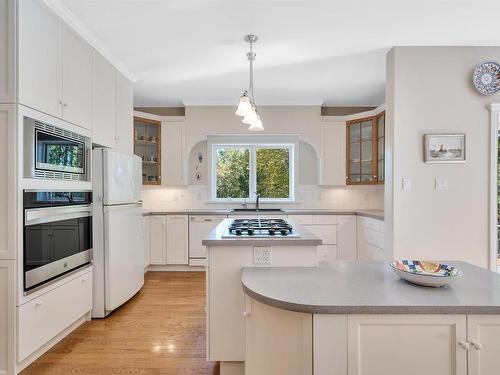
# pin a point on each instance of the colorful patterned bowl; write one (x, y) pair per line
(425, 273)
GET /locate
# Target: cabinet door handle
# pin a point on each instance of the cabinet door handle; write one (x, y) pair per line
(246, 314)
(476, 345)
(464, 344)
(38, 303)
(84, 279)
(65, 104)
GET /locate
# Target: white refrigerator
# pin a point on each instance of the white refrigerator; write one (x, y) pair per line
(118, 234)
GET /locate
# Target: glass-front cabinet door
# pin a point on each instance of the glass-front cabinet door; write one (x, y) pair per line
(365, 151)
(147, 145)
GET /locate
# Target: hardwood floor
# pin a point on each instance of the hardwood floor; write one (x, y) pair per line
(160, 331)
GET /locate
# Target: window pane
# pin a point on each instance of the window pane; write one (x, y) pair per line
(366, 130)
(273, 178)
(233, 172)
(354, 131)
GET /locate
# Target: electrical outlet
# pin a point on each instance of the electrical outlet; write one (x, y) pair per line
(262, 255)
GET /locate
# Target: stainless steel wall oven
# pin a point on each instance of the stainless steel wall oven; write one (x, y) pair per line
(57, 234)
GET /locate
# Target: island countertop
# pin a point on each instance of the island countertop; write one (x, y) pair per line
(306, 238)
(359, 287)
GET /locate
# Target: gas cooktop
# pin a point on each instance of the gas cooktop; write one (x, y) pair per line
(260, 228)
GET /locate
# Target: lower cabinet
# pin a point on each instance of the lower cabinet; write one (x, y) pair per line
(147, 240)
(168, 239)
(46, 316)
(483, 335)
(370, 239)
(7, 310)
(277, 341)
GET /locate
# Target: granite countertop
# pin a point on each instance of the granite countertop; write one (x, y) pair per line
(306, 238)
(370, 288)
(376, 214)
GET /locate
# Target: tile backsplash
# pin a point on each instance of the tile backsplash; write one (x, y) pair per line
(308, 196)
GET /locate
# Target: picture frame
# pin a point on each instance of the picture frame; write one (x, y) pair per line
(444, 148)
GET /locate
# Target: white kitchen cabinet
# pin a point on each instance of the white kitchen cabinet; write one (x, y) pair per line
(330, 344)
(407, 344)
(327, 254)
(483, 333)
(370, 239)
(7, 51)
(332, 166)
(124, 114)
(277, 341)
(40, 58)
(76, 79)
(226, 298)
(346, 238)
(44, 317)
(146, 220)
(173, 158)
(103, 102)
(158, 245)
(7, 318)
(177, 239)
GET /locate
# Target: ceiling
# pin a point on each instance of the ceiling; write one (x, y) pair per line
(191, 52)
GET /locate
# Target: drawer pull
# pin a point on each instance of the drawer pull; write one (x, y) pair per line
(464, 344)
(476, 345)
(246, 314)
(38, 303)
(84, 279)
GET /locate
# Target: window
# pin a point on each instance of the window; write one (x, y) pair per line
(239, 171)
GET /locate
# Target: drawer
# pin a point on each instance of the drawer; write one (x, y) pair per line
(373, 224)
(324, 219)
(302, 219)
(370, 252)
(374, 238)
(328, 233)
(44, 317)
(327, 254)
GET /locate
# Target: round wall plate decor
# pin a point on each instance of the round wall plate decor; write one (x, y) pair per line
(486, 78)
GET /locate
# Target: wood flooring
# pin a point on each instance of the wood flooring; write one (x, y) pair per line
(159, 331)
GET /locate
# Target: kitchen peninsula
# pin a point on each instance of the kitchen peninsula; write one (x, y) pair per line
(232, 245)
(359, 318)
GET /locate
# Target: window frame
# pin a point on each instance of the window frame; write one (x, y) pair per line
(253, 147)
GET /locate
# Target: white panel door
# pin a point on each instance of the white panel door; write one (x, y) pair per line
(77, 79)
(158, 244)
(177, 239)
(124, 253)
(7, 313)
(484, 338)
(7, 51)
(172, 154)
(103, 102)
(346, 238)
(277, 341)
(122, 179)
(40, 70)
(147, 241)
(407, 344)
(333, 154)
(124, 114)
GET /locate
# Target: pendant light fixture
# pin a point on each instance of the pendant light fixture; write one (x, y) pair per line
(247, 108)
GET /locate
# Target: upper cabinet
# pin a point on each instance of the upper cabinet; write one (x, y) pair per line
(60, 74)
(365, 150)
(76, 79)
(174, 163)
(147, 145)
(40, 58)
(124, 114)
(7, 51)
(333, 154)
(103, 102)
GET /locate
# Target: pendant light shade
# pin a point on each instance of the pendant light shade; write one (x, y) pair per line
(256, 126)
(245, 106)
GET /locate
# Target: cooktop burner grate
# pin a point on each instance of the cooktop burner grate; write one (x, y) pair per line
(260, 228)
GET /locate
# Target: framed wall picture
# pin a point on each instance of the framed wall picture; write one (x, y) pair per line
(444, 148)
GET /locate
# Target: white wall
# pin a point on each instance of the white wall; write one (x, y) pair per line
(201, 121)
(429, 90)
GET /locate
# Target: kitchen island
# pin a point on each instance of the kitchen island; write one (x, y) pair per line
(227, 254)
(360, 318)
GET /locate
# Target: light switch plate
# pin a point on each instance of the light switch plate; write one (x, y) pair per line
(262, 255)
(441, 183)
(406, 184)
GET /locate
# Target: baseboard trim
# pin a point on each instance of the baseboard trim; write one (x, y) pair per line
(180, 268)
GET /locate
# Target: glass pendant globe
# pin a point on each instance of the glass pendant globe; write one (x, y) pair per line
(256, 126)
(250, 118)
(245, 107)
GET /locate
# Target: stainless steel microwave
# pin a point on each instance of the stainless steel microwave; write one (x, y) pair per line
(51, 152)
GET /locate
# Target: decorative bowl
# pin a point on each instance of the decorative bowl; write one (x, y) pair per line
(426, 273)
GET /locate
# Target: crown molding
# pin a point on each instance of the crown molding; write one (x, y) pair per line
(74, 22)
(260, 103)
(354, 116)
